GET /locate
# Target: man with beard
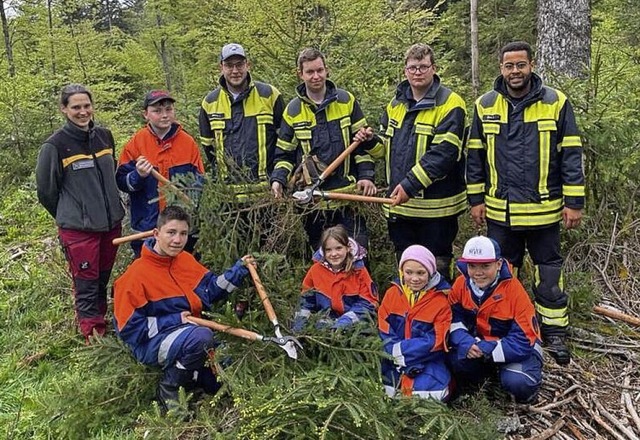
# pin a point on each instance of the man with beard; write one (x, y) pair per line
(525, 176)
(238, 122)
(238, 125)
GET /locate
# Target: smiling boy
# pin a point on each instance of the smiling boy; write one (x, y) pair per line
(153, 299)
(494, 328)
(161, 145)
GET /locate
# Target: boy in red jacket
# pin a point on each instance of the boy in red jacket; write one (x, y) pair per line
(494, 328)
(161, 145)
(153, 299)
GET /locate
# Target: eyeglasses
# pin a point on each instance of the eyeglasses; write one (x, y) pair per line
(422, 68)
(518, 66)
(239, 65)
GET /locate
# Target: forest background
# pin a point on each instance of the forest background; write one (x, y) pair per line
(52, 386)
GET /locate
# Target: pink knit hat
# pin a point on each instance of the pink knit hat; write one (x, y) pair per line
(420, 254)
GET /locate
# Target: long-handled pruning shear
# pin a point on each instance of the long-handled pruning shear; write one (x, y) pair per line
(290, 344)
(306, 195)
(302, 197)
(281, 341)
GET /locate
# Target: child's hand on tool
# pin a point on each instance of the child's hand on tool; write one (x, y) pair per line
(143, 166)
(248, 259)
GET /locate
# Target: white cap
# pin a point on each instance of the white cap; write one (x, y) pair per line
(480, 249)
(231, 49)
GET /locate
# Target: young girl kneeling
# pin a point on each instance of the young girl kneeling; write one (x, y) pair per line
(414, 320)
(338, 283)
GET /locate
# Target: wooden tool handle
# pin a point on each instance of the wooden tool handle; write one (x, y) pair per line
(239, 332)
(160, 178)
(617, 315)
(338, 160)
(132, 237)
(356, 197)
(271, 313)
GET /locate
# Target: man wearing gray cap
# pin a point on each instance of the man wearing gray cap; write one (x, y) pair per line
(238, 122)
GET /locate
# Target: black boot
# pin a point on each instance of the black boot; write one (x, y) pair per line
(167, 396)
(557, 348)
(167, 393)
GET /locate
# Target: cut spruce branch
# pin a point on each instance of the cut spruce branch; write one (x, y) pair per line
(160, 178)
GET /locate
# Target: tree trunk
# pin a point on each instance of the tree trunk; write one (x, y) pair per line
(7, 41)
(475, 69)
(164, 54)
(51, 45)
(564, 37)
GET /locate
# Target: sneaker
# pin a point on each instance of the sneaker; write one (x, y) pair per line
(558, 349)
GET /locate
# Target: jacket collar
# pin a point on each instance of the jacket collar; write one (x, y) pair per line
(404, 94)
(435, 283)
(172, 133)
(150, 256)
(330, 96)
(534, 94)
(76, 132)
(250, 85)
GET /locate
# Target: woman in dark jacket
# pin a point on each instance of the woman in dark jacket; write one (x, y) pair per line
(76, 184)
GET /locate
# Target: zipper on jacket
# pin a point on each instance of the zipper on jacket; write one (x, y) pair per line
(91, 134)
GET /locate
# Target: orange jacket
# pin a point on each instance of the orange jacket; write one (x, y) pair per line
(502, 323)
(416, 337)
(153, 292)
(348, 296)
(177, 154)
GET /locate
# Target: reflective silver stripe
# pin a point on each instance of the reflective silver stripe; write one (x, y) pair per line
(179, 366)
(152, 327)
(302, 313)
(537, 347)
(166, 343)
(389, 390)
(457, 326)
(352, 316)
(438, 395)
(131, 188)
(224, 284)
(397, 354)
(498, 353)
(516, 367)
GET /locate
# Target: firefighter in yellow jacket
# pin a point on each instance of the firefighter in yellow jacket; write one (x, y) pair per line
(423, 130)
(524, 177)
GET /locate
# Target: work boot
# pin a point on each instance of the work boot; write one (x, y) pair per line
(558, 349)
(167, 392)
(167, 396)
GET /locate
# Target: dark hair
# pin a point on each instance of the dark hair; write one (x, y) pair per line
(72, 89)
(517, 46)
(339, 234)
(420, 51)
(173, 212)
(310, 54)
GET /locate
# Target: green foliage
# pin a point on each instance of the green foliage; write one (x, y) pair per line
(54, 387)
